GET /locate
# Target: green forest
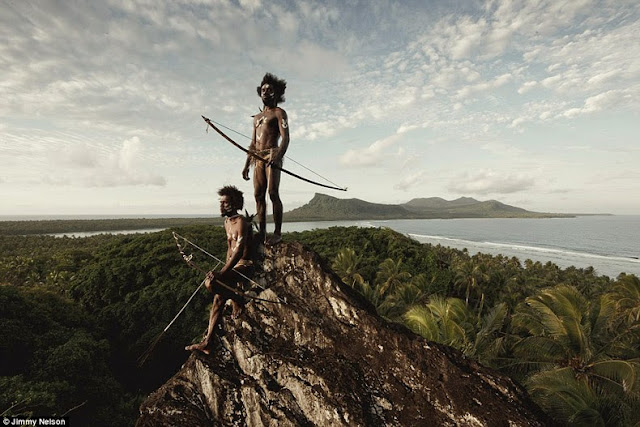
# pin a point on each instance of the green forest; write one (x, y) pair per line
(77, 313)
(70, 226)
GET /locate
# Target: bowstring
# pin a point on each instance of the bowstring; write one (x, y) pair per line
(177, 236)
(188, 259)
(188, 301)
(144, 356)
(287, 157)
(243, 294)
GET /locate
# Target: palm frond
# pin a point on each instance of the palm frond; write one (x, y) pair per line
(540, 349)
(621, 372)
(559, 393)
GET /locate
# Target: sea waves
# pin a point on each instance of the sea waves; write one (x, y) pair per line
(610, 265)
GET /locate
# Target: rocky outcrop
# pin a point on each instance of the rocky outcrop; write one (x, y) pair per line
(325, 358)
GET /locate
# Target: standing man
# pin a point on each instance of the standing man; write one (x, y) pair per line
(237, 267)
(269, 126)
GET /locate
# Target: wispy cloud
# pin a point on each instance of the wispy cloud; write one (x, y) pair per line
(109, 94)
(489, 182)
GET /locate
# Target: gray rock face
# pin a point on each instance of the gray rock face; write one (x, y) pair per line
(325, 358)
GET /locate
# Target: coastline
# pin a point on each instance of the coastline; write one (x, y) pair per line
(566, 244)
(57, 224)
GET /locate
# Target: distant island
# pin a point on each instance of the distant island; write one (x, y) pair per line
(328, 208)
(320, 208)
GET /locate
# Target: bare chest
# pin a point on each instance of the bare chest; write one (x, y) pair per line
(267, 130)
(233, 229)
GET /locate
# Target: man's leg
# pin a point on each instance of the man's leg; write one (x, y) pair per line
(214, 315)
(241, 272)
(274, 194)
(259, 192)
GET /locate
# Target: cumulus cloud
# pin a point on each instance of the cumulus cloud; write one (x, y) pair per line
(527, 86)
(409, 181)
(490, 182)
(590, 60)
(78, 155)
(251, 5)
(404, 128)
(91, 165)
(453, 61)
(125, 167)
(439, 74)
(598, 103)
(372, 155)
(495, 83)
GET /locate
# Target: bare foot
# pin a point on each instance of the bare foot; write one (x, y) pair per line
(274, 240)
(203, 347)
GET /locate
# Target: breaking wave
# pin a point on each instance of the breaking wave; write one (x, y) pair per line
(606, 264)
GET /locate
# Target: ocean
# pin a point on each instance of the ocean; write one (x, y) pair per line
(609, 243)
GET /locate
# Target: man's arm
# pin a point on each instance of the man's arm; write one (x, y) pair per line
(252, 147)
(283, 126)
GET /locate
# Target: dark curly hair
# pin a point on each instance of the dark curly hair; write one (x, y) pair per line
(277, 84)
(235, 196)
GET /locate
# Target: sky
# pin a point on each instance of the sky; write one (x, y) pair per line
(532, 103)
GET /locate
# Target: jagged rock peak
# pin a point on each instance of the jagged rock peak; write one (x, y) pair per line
(325, 358)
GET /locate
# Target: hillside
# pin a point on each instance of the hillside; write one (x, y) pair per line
(102, 301)
(323, 207)
(438, 203)
(325, 358)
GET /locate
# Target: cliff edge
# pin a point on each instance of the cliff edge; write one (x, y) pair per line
(326, 358)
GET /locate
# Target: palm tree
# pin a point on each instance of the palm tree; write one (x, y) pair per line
(397, 303)
(422, 283)
(504, 286)
(567, 335)
(391, 275)
(471, 275)
(447, 321)
(625, 295)
(346, 266)
(576, 403)
(490, 340)
(383, 308)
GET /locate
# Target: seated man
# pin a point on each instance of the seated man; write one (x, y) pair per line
(237, 267)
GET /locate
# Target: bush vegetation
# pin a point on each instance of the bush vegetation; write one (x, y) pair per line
(78, 312)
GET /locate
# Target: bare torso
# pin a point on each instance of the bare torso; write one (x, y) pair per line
(267, 127)
(237, 229)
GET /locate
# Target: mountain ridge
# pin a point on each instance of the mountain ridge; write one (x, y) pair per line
(324, 207)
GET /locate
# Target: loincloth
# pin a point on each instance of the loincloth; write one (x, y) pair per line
(236, 279)
(267, 155)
